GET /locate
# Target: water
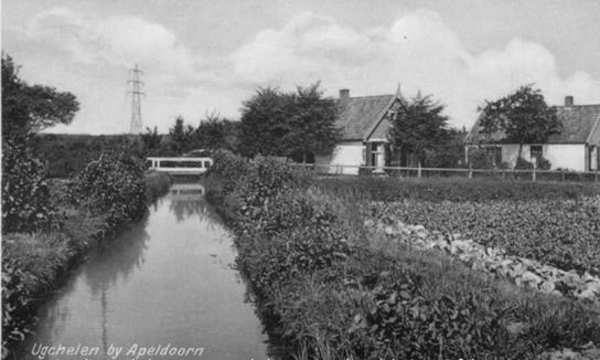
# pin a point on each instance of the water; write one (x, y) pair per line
(167, 282)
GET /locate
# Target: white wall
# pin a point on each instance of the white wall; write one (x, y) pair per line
(349, 153)
(565, 156)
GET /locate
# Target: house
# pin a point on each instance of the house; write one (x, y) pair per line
(575, 148)
(364, 122)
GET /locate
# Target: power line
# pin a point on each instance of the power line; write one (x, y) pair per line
(135, 126)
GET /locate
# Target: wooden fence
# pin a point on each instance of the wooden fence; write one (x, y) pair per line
(394, 171)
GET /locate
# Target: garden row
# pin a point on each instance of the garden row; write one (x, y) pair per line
(438, 190)
(43, 241)
(326, 287)
(561, 233)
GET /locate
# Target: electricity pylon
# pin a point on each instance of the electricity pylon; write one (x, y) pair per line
(136, 94)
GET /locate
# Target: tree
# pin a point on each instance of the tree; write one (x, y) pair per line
(418, 127)
(181, 137)
(151, 140)
(312, 124)
(215, 132)
(288, 124)
(29, 109)
(523, 117)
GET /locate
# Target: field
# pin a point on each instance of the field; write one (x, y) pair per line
(335, 277)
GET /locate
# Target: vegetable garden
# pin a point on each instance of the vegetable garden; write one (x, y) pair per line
(328, 287)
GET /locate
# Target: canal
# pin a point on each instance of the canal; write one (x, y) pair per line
(165, 287)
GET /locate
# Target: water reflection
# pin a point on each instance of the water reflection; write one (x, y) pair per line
(165, 280)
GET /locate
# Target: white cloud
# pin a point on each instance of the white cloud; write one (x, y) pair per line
(418, 50)
(90, 55)
(115, 40)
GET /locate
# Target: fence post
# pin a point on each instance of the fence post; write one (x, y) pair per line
(533, 176)
(562, 171)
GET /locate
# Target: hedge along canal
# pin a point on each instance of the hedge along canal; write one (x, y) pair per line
(164, 286)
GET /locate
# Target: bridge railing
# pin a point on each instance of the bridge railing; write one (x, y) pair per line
(179, 165)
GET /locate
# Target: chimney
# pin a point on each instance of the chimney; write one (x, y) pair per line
(344, 94)
(568, 101)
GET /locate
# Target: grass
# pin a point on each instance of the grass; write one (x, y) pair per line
(380, 299)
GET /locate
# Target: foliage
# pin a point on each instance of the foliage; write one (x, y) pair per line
(523, 117)
(480, 159)
(443, 190)
(418, 126)
(180, 137)
(288, 124)
(543, 163)
(215, 133)
(561, 233)
(26, 205)
(113, 186)
(151, 140)
(523, 164)
(323, 290)
(27, 109)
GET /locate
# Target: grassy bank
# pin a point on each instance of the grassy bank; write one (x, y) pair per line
(327, 290)
(35, 264)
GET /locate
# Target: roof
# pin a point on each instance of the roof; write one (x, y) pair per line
(581, 124)
(358, 117)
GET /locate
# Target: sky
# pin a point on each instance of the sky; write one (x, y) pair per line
(203, 57)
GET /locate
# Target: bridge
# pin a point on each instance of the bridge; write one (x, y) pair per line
(179, 165)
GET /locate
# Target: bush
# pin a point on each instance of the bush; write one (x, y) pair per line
(480, 159)
(26, 203)
(112, 186)
(543, 163)
(523, 164)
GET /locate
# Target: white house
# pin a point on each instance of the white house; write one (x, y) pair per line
(364, 122)
(575, 148)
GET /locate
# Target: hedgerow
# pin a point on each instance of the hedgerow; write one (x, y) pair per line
(324, 291)
(112, 186)
(26, 205)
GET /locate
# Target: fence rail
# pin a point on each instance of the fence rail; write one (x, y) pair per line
(395, 171)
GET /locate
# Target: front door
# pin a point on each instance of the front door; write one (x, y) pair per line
(377, 156)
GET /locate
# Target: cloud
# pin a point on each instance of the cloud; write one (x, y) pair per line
(115, 40)
(418, 50)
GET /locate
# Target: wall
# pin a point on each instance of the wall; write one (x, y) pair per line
(565, 156)
(345, 153)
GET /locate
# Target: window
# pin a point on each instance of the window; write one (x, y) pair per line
(535, 151)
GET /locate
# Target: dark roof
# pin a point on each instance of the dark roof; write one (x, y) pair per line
(358, 116)
(581, 124)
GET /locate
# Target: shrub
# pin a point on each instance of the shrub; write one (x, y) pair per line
(113, 186)
(543, 163)
(26, 203)
(480, 159)
(523, 164)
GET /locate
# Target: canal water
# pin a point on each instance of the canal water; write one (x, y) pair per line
(164, 289)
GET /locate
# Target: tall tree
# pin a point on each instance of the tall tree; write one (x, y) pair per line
(418, 126)
(288, 124)
(28, 109)
(312, 125)
(265, 122)
(181, 137)
(523, 117)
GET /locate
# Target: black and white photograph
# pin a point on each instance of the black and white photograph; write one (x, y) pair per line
(300, 179)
